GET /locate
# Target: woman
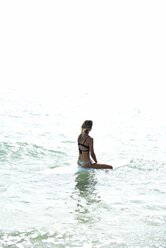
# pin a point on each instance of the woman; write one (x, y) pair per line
(86, 151)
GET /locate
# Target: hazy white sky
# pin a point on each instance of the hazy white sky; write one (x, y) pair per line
(111, 48)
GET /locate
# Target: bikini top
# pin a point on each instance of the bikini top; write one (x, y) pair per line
(84, 146)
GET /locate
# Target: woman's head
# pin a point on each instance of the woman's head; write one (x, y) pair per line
(86, 126)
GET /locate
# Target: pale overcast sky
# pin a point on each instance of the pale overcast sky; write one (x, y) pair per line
(114, 48)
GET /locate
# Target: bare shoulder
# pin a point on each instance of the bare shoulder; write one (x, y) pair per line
(90, 139)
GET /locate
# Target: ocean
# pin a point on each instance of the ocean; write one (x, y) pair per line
(47, 202)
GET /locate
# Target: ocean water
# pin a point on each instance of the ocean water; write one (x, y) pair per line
(45, 201)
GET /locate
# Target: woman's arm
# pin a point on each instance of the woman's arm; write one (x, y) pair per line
(92, 153)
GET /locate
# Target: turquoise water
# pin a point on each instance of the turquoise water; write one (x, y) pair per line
(47, 202)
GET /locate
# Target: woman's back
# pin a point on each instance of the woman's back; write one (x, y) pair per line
(83, 145)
